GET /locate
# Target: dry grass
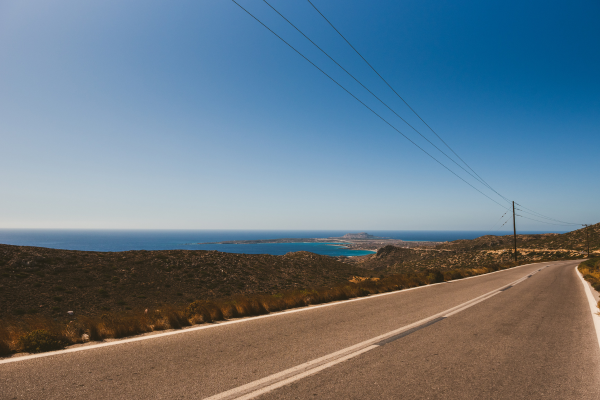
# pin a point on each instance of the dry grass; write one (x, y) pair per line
(119, 325)
(590, 270)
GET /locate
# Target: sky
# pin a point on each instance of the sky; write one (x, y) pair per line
(191, 115)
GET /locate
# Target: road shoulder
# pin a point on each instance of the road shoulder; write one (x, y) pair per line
(592, 297)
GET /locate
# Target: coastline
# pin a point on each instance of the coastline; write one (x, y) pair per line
(370, 244)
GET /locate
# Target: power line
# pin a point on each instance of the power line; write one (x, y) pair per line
(366, 106)
(543, 222)
(405, 102)
(544, 216)
(381, 101)
(495, 223)
(551, 219)
(481, 180)
(426, 124)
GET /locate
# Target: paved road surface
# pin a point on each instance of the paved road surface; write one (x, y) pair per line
(459, 340)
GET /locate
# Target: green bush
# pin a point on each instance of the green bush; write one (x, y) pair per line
(41, 340)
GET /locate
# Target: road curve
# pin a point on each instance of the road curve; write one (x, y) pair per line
(526, 332)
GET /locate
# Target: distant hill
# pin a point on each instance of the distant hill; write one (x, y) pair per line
(482, 251)
(575, 240)
(358, 236)
(491, 242)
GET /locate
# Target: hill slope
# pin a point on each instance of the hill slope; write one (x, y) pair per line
(50, 282)
(483, 251)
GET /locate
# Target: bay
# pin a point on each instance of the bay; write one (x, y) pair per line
(124, 240)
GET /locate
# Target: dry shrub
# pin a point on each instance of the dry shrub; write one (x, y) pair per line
(159, 322)
(118, 325)
(91, 326)
(229, 310)
(41, 340)
(435, 276)
(590, 270)
(453, 274)
(336, 293)
(177, 319)
(249, 306)
(5, 340)
(198, 311)
(215, 312)
(203, 311)
(295, 298)
(271, 303)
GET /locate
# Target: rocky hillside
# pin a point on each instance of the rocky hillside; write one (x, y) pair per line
(491, 242)
(575, 240)
(398, 260)
(51, 282)
(482, 251)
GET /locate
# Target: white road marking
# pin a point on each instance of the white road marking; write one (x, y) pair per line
(236, 321)
(272, 382)
(592, 302)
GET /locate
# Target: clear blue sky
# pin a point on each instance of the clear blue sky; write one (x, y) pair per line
(190, 114)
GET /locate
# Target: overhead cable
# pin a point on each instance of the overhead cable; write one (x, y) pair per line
(366, 106)
(422, 120)
(499, 219)
(405, 102)
(476, 177)
(535, 213)
(543, 222)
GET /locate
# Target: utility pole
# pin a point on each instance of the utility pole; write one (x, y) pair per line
(587, 230)
(515, 231)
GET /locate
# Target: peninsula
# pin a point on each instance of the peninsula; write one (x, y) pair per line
(354, 241)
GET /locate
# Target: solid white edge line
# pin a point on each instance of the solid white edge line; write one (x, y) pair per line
(236, 321)
(593, 305)
(279, 379)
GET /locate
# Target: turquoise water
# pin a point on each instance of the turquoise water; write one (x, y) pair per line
(123, 240)
(331, 249)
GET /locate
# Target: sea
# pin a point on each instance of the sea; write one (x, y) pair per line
(124, 240)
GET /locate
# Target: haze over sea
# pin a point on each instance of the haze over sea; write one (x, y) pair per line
(123, 240)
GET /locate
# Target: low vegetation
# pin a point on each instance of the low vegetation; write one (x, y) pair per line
(391, 259)
(34, 333)
(575, 240)
(590, 270)
(41, 340)
(49, 282)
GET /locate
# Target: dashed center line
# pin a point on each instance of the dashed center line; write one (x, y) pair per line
(280, 379)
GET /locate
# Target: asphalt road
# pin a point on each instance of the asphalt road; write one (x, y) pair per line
(460, 340)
